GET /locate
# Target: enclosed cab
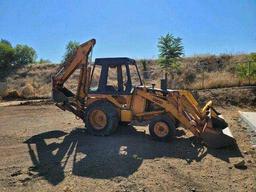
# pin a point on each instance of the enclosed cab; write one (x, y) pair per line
(115, 76)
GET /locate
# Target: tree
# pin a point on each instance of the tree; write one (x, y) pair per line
(6, 54)
(170, 51)
(71, 48)
(6, 42)
(144, 64)
(44, 61)
(24, 55)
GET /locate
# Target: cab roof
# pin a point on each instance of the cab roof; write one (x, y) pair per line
(114, 61)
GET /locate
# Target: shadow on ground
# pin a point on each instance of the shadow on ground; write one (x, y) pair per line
(120, 154)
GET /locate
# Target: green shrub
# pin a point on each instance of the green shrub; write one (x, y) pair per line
(242, 70)
(6, 54)
(24, 55)
(248, 69)
(44, 61)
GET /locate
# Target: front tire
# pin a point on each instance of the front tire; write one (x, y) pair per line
(162, 128)
(101, 118)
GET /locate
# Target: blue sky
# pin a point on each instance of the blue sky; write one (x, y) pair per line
(130, 28)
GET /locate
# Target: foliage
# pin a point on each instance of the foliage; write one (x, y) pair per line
(190, 76)
(248, 69)
(144, 64)
(252, 57)
(6, 54)
(170, 51)
(71, 48)
(43, 61)
(24, 55)
(6, 42)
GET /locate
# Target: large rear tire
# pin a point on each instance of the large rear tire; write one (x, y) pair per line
(101, 118)
(162, 128)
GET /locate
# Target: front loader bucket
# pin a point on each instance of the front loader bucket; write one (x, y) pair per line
(217, 133)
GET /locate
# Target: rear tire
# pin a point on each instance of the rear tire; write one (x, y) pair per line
(162, 128)
(101, 118)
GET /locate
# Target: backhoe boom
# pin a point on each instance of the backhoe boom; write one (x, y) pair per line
(60, 93)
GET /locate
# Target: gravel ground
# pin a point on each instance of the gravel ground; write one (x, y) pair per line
(45, 149)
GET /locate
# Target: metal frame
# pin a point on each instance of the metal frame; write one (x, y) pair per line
(105, 64)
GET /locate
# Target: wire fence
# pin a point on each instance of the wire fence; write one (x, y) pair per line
(202, 75)
(233, 74)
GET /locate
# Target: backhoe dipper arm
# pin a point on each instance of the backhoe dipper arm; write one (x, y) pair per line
(80, 59)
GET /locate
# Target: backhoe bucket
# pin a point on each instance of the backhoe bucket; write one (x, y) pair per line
(217, 133)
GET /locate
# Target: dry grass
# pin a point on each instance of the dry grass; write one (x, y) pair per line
(218, 80)
(218, 71)
(207, 71)
(31, 81)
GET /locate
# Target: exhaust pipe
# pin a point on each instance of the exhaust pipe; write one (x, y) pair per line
(164, 84)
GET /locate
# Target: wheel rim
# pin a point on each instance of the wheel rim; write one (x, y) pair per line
(98, 119)
(161, 129)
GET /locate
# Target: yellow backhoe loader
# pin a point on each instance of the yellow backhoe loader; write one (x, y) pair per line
(108, 102)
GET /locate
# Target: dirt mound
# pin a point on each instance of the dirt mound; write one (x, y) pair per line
(27, 91)
(12, 94)
(237, 96)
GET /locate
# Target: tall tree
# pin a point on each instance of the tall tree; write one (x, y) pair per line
(71, 48)
(170, 51)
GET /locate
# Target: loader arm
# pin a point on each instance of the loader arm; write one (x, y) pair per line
(70, 101)
(205, 122)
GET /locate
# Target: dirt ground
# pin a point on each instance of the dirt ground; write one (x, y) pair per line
(45, 149)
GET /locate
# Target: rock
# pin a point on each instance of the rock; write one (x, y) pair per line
(245, 152)
(67, 189)
(118, 179)
(16, 173)
(24, 178)
(27, 91)
(249, 161)
(240, 164)
(12, 94)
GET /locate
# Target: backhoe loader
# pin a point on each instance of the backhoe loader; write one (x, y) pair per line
(110, 102)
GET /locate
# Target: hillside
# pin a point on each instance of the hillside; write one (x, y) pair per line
(198, 72)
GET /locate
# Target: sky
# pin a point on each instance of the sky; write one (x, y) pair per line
(130, 28)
